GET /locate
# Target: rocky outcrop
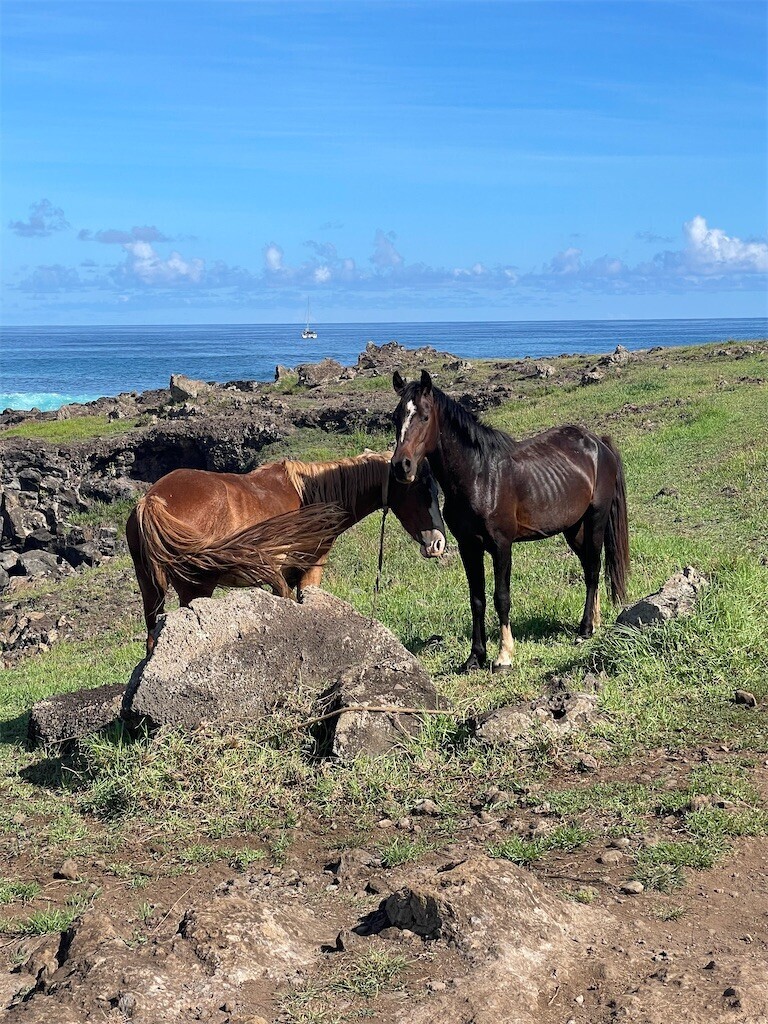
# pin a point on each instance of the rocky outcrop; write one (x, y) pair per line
(565, 709)
(67, 716)
(677, 598)
(238, 657)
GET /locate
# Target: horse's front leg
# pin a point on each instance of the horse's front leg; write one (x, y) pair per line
(471, 552)
(502, 569)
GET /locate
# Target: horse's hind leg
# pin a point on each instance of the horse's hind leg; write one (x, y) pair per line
(153, 599)
(586, 540)
(502, 568)
(152, 596)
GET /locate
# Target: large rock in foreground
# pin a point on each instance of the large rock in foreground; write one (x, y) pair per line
(237, 657)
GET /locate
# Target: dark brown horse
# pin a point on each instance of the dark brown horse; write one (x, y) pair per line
(197, 530)
(499, 491)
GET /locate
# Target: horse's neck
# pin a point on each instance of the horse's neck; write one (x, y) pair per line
(455, 463)
(355, 484)
(369, 488)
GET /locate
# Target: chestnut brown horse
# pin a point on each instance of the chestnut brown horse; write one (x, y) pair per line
(197, 530)
(499, 491)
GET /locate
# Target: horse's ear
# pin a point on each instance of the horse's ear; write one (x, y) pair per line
(398, 383)
(426, 382)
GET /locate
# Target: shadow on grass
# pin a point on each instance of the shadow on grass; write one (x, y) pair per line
(65, 767)
(539, 627)
(13, 731)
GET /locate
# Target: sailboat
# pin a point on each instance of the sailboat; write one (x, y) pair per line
(308, 332)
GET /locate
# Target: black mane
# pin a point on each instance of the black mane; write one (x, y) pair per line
(486, 440)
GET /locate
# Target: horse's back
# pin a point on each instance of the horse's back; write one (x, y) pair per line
(229, 501)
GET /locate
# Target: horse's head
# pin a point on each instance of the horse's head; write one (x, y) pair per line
(417, 508)
(415, 425)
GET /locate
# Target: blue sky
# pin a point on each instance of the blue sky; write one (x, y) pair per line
(183, 162)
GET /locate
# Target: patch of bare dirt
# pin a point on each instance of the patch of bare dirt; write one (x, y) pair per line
(473, 939)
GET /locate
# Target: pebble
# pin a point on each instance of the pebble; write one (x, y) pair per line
(622, 843)
(68, 870)
(700, 800)
(744, 697)
(587, 763)
(501, 797)
(611, 857)
(385, 823)
(633, 888)
(436, 986)
(427, 807)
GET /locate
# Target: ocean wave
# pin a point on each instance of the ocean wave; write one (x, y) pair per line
(45, 401)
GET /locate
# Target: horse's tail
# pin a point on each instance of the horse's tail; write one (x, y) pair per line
(617, 532)
(252, 556)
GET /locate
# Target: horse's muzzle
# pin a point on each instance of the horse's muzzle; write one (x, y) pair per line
(432, 544)
(404, 470)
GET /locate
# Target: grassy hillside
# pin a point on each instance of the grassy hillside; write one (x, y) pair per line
(694, 436)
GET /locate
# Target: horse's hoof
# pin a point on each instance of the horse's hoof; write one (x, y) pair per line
(500, 670)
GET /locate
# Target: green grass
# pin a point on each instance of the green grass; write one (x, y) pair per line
(526, 851)
(17, 892)
(76, 428)
(102, 513)
(666, 689)
(401, 851)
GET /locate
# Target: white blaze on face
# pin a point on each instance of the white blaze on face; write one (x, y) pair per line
(410, 412)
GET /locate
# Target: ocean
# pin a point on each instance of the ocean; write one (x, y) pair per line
(46, 367)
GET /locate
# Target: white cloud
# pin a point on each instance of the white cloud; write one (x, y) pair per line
(710, 249)
(273, 257)
(707, 259)
(143, 265)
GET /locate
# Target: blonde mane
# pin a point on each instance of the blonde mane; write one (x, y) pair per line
(340, 481)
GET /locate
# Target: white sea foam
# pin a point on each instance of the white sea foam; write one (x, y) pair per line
(45, 401)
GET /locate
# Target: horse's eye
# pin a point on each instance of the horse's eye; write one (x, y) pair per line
(425, 419)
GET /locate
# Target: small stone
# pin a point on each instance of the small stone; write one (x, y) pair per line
(385, 823)
(427, 807)
(611, 857)
(126, 1004)
(621, 843)
(498, 798)
(346, 939)
(730, 992)
(579, 1000)
(587, 763)
(745, 697)
(68, 870)
(436, 986)
(710, 966)
(699, 801)
(633, 888)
